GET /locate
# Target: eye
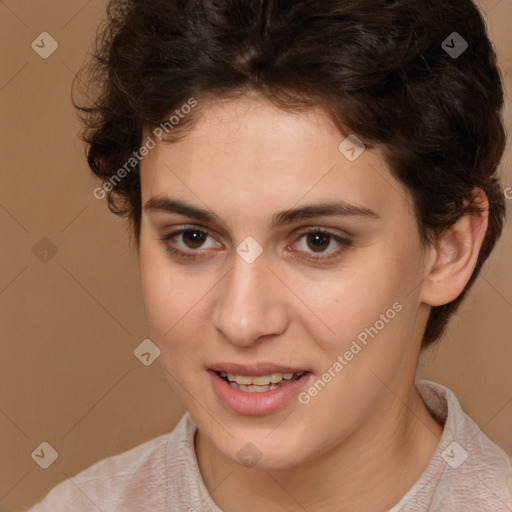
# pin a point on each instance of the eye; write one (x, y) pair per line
(186, 241)
(319, 241)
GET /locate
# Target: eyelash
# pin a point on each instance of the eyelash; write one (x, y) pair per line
(192, 254)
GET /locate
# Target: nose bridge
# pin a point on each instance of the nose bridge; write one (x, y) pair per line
(250, 303)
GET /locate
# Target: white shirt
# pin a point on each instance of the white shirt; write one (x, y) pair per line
(467, 472)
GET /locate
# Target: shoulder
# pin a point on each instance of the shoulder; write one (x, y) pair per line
(138, 477)
(468, 471)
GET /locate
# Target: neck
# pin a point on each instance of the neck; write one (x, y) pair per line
(369, 471)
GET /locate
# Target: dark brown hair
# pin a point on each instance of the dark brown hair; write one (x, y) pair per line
(380, 68)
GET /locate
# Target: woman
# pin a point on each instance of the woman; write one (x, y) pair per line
(312, 189)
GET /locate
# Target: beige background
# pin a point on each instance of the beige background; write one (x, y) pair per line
(68, 375)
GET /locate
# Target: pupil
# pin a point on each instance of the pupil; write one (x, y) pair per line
(321, 241)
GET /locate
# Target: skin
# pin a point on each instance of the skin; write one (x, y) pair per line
(245, 159)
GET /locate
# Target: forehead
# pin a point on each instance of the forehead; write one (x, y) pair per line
(249, 152)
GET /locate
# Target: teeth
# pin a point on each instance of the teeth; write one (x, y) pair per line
(261, 380)
(241, 379)
(252, 389)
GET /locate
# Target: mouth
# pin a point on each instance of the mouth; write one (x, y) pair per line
(257, 389)
(259, 383)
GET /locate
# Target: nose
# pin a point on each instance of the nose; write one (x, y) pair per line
(250, 305)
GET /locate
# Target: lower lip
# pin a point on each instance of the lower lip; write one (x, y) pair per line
(256, 404)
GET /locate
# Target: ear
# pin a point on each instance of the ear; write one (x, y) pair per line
(454, 256)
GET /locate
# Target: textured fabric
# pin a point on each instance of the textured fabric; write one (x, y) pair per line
(474, 475)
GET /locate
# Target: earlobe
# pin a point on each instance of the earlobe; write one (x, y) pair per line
(455, 255)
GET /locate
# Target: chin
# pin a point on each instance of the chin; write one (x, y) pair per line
(261, 451)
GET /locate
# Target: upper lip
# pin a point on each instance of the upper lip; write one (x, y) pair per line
(255, 369)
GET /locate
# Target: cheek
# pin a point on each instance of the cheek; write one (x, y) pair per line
(163, 290)
(367, 299)
(174, 299)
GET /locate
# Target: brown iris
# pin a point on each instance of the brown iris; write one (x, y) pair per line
(196, 238)
(320, 241)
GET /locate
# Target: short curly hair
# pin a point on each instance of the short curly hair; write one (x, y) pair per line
(381, 69)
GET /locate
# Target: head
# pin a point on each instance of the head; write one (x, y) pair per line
(261, 114)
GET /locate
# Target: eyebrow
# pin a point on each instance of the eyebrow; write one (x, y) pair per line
(309, 211)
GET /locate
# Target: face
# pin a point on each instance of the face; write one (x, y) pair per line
(311, 312)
